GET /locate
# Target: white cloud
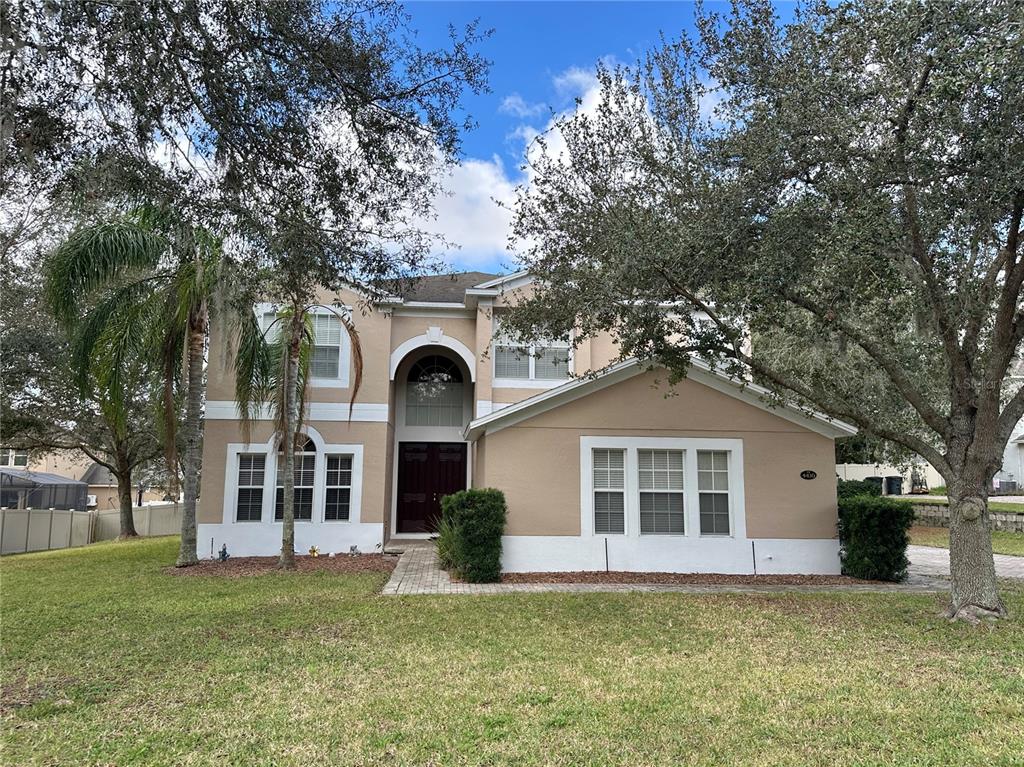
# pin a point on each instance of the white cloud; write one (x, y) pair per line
(574, 82)
(469, 215)
(517, 106)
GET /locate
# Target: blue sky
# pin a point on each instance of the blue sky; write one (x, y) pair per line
(543, 55)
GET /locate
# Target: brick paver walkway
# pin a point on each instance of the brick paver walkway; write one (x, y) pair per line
(418, 572)
(932, 561)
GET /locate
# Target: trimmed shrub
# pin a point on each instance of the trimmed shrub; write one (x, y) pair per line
(477, 521)
(873, 537)
(848, 488)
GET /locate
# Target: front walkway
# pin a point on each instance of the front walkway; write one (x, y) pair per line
(418, 572)
(933, 561)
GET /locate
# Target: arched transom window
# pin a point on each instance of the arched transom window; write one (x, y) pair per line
(434, 393)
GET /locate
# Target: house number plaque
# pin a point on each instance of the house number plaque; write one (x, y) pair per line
(808, 474)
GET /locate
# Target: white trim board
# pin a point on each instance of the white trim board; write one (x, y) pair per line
(700, 372)
(364, 412)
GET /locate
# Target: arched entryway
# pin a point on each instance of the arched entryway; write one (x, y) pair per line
(434, 396)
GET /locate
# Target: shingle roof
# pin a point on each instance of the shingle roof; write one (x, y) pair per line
(97, 474)
(443, 288)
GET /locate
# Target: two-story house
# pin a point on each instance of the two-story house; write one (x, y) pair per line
(599, 471)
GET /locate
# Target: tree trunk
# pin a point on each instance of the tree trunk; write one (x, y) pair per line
(187, 554)
(974, 591)
(124, 495)
(291, 419)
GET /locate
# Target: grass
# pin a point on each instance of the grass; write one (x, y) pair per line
(114, 662)
(1003, 542)
(1012, 508)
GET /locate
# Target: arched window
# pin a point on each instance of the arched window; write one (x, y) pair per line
(434, 394)
(305, 472)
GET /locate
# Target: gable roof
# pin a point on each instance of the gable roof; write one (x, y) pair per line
(98, 474)
(699, 371)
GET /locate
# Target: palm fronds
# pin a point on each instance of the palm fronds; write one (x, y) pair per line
(93, 257)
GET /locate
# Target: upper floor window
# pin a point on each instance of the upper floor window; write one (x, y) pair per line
(328, 358)
(11, 457)
(434, 393)
(325, 361)
(541, 360)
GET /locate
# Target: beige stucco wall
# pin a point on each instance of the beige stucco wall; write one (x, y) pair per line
(536, 463)
(376, 462)
(374, 329)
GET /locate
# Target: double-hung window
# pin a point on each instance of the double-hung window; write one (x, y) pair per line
(325, 361)
(327, 357)
(662, 486)
(249, 504)
(660, 482)
(609, 491)
(541, 360)
(713, 487)
(338, 496)
(11, 457)
(305, 474)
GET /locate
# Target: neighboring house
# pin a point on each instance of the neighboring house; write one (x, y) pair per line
(102, 492)
(612, 470)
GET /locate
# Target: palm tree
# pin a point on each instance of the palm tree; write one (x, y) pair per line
(141, 287)
(272, 368)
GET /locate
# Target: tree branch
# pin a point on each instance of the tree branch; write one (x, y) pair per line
(932, 418)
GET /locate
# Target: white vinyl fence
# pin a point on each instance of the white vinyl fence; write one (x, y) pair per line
(24, 530)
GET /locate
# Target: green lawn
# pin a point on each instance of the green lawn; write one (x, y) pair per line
(127, 665)
(1002, 542)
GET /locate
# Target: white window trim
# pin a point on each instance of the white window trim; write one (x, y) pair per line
(344, 355)
(269, 448)
(691, 497)
(531, 382)
(351, 482)
(9, 456)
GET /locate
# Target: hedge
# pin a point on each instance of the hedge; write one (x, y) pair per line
(873, 537)
(469, 541)
(847, 488)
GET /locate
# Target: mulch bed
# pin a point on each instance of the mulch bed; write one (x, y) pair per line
(693, 579)
(242, 567)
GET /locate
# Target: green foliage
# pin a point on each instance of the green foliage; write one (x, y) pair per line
(473, 543)
(847, 488)
(446, 542)
(873, 533)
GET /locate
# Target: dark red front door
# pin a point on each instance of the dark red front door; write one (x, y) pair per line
(427, 471)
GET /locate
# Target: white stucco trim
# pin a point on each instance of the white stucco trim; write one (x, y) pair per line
(433, 337)
(263, 537)
(540, 384)
(691, 507)
(364, 412)
(670, 554)
(256, 540)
